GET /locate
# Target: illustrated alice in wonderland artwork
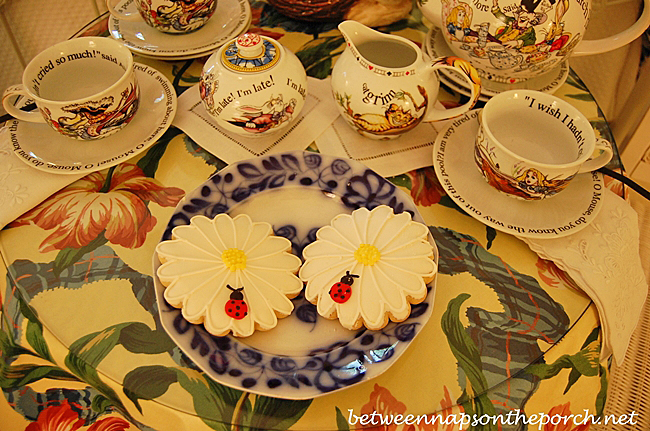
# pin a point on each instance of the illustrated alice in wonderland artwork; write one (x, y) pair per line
(517, 36)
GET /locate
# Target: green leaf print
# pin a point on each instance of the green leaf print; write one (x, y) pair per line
(139, 338)
(149, 162)
(214, 411)
(34, 331)
(9, 349)
(69, 256)
(474, 398)
(341, 423)
(584, 362)
(148, 382)
(317, 55)
(402, 181)
(14, 376)
(277, 414)
(575, 374)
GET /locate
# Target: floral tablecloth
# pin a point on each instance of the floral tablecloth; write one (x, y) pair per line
(82, 347)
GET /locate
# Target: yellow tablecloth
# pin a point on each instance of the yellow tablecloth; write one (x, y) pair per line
(81, 344)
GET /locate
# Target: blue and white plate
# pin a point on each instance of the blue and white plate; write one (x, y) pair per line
(306, 355)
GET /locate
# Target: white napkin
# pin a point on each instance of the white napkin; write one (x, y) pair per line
(410, 151)
(603, 259)
(317, 114)
(22, 187)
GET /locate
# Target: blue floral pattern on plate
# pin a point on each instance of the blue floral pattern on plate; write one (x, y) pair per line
(326, 364)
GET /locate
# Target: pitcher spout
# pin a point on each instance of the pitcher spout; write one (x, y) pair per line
(356, 33)
(386, 51)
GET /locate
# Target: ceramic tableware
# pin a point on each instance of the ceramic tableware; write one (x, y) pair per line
(549, 82)
(168, 16)
(42, 148)
(384, 86)
(84, 88)
(530, 145)
(305, 355)
(514, 40)
(231, 18)
(253, 86)
(568, 212)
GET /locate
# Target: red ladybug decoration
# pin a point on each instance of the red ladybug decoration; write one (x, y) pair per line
(341, 291)
(236, 307)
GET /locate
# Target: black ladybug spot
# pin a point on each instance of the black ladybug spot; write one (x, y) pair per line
(335, 295)
(340, 290)
(237, 314)
(229, 310)
(237, 307)
(245, 313)
(347, 290)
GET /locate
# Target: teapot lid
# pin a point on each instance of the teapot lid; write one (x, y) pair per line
(250, 53)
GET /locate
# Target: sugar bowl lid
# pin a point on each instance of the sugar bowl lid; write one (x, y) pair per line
(250, 52)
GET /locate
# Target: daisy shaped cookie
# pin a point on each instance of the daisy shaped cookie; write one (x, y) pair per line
(368, 267)
(229, 273)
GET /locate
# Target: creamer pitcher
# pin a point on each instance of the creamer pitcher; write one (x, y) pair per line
(385, 86)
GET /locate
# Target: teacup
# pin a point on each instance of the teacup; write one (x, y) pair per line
(84, 88)
(168, 16)
(530, 145)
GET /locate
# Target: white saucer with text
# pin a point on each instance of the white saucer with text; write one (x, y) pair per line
(563, 214)
(38, 145)
(230, 19)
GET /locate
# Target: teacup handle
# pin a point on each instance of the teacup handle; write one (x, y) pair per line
(19, 90)
(606, 154)
(469, 74)
(111, 5)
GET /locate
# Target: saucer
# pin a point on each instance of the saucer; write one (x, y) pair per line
(231, 18)
(563, 214)
(44, 149)
(436, 46)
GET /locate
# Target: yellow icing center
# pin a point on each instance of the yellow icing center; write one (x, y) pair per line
(367, 254)
(234, 259)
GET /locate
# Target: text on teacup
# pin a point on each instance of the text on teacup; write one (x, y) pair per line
(45, 69)
(566, 120)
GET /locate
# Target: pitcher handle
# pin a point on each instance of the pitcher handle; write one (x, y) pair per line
(598, 46)
(469, 74)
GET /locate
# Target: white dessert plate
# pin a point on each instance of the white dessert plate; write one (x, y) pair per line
(436, 46)
(305, 355)
(563, 214)
(43, 148)
(231, 18)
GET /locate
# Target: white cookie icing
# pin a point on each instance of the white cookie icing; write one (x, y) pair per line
(390, 254)
(206, 256)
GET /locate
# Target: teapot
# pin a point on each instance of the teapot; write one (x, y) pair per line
(384, 85)
(510, 41)
(252, 86)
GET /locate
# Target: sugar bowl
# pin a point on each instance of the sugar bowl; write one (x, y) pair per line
(253, 86)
